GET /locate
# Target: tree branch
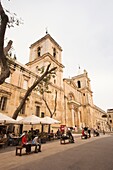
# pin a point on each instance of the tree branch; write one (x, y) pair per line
(55, 103)
(5, 72)
(8, 47)
(47, 106)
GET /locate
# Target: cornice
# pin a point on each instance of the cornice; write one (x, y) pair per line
(99, 109)
(43, 57)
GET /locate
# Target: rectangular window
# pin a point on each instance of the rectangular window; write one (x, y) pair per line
(42, 114)
(38, 111)
(54, 52)
(3, 103)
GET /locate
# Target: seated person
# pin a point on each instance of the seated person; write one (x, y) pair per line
(30, 136)
(25, 143)
(58, 134)
(37, 141)
(96, 133)
(84, 134)
(70, 136)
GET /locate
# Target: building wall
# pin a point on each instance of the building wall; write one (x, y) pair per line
(74, 96)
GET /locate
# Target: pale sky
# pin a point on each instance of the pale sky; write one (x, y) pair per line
(84, 30)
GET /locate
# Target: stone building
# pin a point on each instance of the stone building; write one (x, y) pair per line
(110, 118)
(74, 95)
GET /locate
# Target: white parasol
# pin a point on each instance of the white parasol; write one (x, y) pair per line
(30, 120)
(19, 118)
(6, 119)
(49, 120)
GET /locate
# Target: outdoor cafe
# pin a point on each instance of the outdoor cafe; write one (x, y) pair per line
(8, 138)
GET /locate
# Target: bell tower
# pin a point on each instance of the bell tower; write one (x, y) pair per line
(46, 45)
(45, 51)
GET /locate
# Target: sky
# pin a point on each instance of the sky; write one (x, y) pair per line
(84, 30)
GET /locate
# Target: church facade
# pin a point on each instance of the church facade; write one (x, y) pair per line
(75, 107)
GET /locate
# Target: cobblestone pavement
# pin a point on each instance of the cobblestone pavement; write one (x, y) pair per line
(8, 159)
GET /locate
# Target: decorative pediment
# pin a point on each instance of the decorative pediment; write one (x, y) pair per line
(73, 104)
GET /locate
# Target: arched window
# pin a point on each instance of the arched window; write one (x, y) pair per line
(78, 84)
(39, 51)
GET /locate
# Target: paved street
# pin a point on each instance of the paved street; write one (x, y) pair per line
(95, 153)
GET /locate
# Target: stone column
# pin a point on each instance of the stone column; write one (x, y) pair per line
(73, 116)
(79, 121)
